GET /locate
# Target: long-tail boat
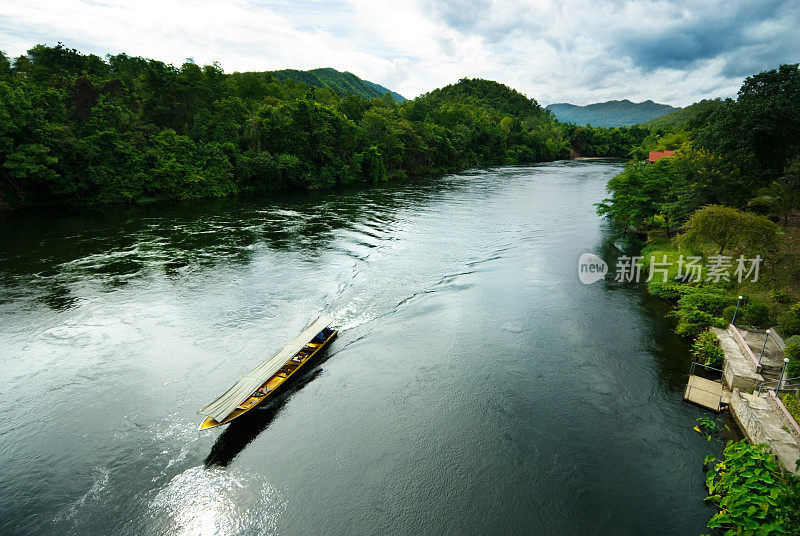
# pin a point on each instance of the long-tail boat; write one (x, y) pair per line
(261, 382)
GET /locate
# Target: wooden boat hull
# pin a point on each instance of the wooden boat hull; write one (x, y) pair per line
(276, 381)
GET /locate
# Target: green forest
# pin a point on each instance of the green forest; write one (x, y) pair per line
(732, 188)
(79, 129)
(742, 153)
(344, 83)
(730, 191)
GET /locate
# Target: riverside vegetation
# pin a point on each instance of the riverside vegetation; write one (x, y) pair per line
(78, 129)
(731, 188)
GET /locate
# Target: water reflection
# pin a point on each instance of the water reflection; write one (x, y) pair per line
(51, 251)
(202, 501)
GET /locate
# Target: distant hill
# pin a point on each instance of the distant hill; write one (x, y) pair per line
(611, 113)
(485, 94)
(685, 115)
(342, 83)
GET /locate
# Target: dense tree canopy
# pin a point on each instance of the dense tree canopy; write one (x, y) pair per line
(343, 83)
(742, 153)
(76, 128)
(760, 130)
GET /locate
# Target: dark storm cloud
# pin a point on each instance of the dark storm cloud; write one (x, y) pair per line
(746, 35)
(678, 40)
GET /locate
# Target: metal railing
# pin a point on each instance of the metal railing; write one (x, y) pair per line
(778, 385)
(696, 364)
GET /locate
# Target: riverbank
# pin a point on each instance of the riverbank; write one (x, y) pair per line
(749, 385)
(751, 368)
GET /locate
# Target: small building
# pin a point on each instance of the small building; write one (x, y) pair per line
(658, 155)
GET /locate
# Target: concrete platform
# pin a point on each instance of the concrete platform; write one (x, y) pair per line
(706, 393)
(761, 423)
(739, 370)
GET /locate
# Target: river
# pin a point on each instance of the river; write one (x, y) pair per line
(476, 386)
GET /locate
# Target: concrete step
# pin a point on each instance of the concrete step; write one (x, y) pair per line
(705, 393)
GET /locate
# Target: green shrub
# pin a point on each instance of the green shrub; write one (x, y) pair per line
(728, 312)
(707, 349)
(709, 299)
(790, 504)
(793, 353)
(753, 496)
(789, 325)
(794, 339)
(793, 370)
(781, 296)
(700, 308)
(669, 291)
(692, 321)
(792, 404)
(790, 322)
(757, 314)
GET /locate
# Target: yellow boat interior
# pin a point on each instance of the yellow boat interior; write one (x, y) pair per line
(294, 363)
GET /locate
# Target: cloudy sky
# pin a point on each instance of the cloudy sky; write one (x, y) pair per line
(578, 51)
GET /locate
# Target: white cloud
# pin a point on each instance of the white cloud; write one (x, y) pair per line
(577, 51)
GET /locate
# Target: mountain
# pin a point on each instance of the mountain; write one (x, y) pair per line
(611, 113)
(693, 112)
(342, 83)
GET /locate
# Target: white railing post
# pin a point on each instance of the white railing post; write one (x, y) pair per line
(780, 378)
(763, 348)
(733, 320)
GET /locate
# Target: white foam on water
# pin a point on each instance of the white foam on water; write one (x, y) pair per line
(352, 315)
(99, 484)
(287, 212)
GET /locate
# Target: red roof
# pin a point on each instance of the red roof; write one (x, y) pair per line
(658, 155)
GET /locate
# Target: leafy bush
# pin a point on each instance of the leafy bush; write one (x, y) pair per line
(707, 349)
(794, 339)
(790, 321)
(669, 291)
(728, 312)
(710, 299)
(700, 308)
(792, 404)
(789, 325)
(750, 491)
(692, 321)
(793, 353)
(781, 296)
(757, 314)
